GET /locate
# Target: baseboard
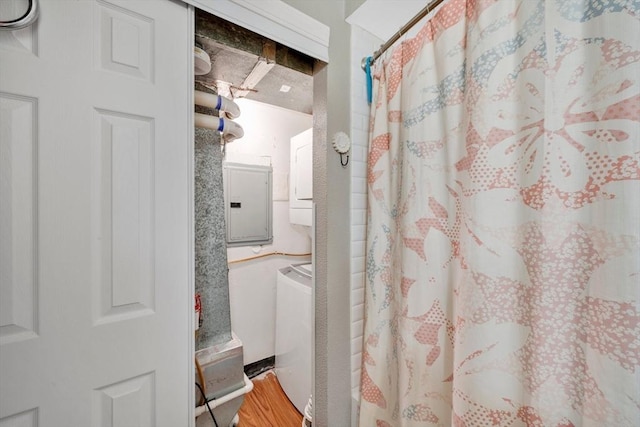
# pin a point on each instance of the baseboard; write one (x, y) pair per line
(256, 368)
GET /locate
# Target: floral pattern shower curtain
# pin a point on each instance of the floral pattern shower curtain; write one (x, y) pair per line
(503, 260)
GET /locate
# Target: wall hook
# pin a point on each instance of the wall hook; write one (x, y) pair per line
(342, 144)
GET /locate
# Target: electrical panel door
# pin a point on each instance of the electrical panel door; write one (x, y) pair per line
(248, 204)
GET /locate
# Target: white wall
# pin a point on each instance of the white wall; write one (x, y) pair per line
(383, 18)
(252, 284)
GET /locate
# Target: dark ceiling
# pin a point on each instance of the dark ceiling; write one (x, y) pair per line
(235, 51)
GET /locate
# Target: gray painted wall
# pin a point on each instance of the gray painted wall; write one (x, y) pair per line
(331, 195)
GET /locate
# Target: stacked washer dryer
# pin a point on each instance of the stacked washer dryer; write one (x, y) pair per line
(294, 313)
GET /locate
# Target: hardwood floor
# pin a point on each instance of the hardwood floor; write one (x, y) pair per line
(268, 406)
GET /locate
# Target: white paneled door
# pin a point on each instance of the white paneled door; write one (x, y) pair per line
(94, 216)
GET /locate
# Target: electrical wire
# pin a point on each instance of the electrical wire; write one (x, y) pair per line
(206, 402)
(235, 261)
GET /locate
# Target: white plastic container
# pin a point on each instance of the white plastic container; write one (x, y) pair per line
(225, 383)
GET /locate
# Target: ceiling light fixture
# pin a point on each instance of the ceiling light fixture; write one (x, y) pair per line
(224, 89)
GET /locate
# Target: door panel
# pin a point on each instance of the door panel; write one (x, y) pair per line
(94, 216)
(18, 227)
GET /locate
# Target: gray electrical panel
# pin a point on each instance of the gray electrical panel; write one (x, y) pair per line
(248, 204)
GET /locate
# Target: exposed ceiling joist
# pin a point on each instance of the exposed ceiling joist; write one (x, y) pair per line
(265, 64)
(245, 64)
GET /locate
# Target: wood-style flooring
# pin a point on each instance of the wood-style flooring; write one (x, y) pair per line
(268, 406)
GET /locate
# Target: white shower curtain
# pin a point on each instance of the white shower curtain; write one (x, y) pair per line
(503, 260)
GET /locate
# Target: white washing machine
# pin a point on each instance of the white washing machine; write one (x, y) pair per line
(293, 333)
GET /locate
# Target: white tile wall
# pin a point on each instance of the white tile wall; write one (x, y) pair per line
(362, 44)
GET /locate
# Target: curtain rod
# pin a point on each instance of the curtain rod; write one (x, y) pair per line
(406, 27)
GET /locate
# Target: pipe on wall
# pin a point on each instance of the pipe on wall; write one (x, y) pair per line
(230, 130)
(217, 102)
